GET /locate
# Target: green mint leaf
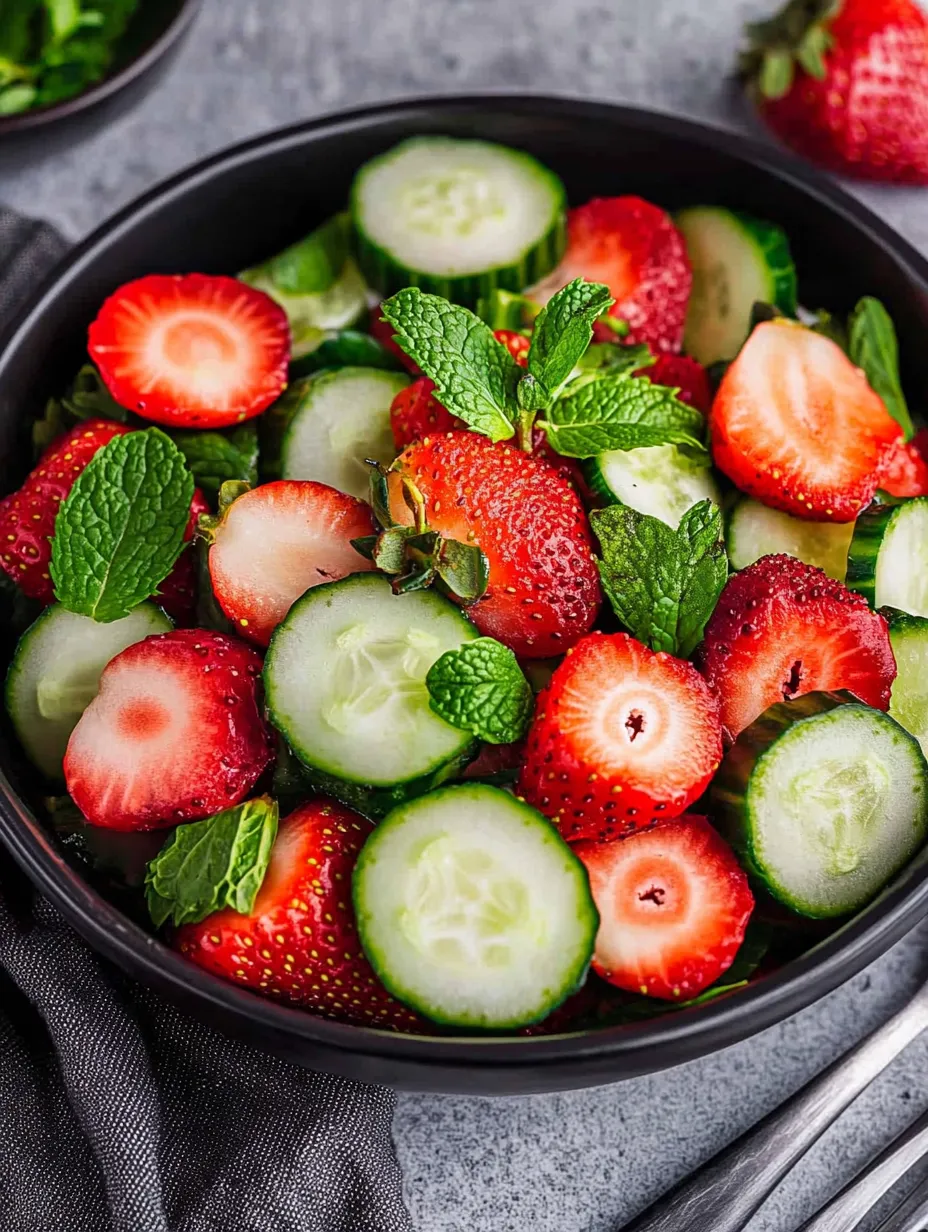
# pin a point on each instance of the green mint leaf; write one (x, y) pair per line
(663, 584)
(872, 346)
(506, 310)
(313, 264)
(609, 359)
(121, 527)
(211, 864)
(620, 412)
(480, 688)
(562, 332)
(475, 376)
(214, 458)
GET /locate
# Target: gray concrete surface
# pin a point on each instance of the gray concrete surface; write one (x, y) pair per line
(584, 1161)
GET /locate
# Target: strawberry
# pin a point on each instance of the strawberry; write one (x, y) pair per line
(684, 374)
(516, 344)
(797, 426)
(27, 517)
(174, 733)
(177, 594)
(905, 469)
(193, 350)
(300, 942)
(783, 628)
(635, 249)
(275, 542)
(543, 591)
(845, 83)
(622, 737)
(674, 905)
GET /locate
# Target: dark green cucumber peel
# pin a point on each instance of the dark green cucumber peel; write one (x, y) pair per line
(774, 244)
(869, 531)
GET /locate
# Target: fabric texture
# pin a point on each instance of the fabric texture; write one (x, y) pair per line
(120, 1114)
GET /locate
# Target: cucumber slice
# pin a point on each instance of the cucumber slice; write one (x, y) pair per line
(663, 481)
(473, 910)
(457, 218)
(348, 348)
(336, 420)
(825, 799)
(345, 685)
(55, 674)
(888, 557)
(314, 315)
(908, 703)
(737, 261)
(756, 530)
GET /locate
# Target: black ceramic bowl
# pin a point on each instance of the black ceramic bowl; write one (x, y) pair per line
(238, 208)
(152, 39)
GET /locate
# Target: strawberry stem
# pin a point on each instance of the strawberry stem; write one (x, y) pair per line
(416, 502)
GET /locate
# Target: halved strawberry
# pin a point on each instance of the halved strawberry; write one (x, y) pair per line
(275, 542)
(300, 943)
(543, 592)
(685, 374)
(905, 470)
(635, 249)
(783, 628)
(622, 737)
(674, 905)
(174, 733)
(797, 426)
(191, 349)
(518, 345)
(177, 594)
(27, 516)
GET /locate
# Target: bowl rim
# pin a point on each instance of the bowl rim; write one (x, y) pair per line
(112, 83)
(640, 1047)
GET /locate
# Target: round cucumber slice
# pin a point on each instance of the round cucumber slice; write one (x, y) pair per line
(737, 261)
(55, 674)
(663, 481)
(457, 218)
(888, 556)
(473, 910)
(826, 799)
(345, 685)
(908, 703)
(336, 420)
(756, 530)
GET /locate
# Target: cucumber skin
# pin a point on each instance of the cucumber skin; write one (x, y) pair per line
(869, 532)
(774, 245)
(729, 788)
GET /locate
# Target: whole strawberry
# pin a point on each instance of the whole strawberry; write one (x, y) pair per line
(845, 83)
(299, 943)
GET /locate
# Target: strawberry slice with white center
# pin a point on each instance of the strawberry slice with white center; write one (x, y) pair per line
(674, 905)
(275, 542)
(798, 427)
(622, 737)
(193, 350)
(174, 733)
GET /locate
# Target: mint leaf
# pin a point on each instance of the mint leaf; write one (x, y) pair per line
(872, 345)
(213, 458)
(211, 864)
(562, 333)
(475, 376)
(313, 264)
(663, 584)
(480, 688)
(620, 412)
(121, 527)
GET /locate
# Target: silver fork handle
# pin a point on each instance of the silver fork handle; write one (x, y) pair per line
(726, 1192)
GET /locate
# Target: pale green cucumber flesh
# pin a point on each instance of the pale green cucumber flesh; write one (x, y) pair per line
(473, 910)
(314, 316)
(663, 481)
(908, 703)
(756, 530)
(888, 557)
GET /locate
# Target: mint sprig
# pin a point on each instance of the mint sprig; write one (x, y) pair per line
(480, 688)
(563, 331)
(214, 458)
(663, 584)
(121, 527)
(211, 864)
(873, 346)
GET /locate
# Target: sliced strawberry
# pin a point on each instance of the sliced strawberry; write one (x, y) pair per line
(191, 349)
(905, 470)
(635, 249)
(174, 733)
(27, 517)
(798, 427)
(300, 943)
(518, 345)
(674, 905)
(783, 628)
(544, 590)
(278, 540)
(622, 737)
(684, 374)
(177, 594)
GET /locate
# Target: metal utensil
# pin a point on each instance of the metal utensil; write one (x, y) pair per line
(911, 1215)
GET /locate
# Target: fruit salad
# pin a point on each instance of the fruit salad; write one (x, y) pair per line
(488, 614)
